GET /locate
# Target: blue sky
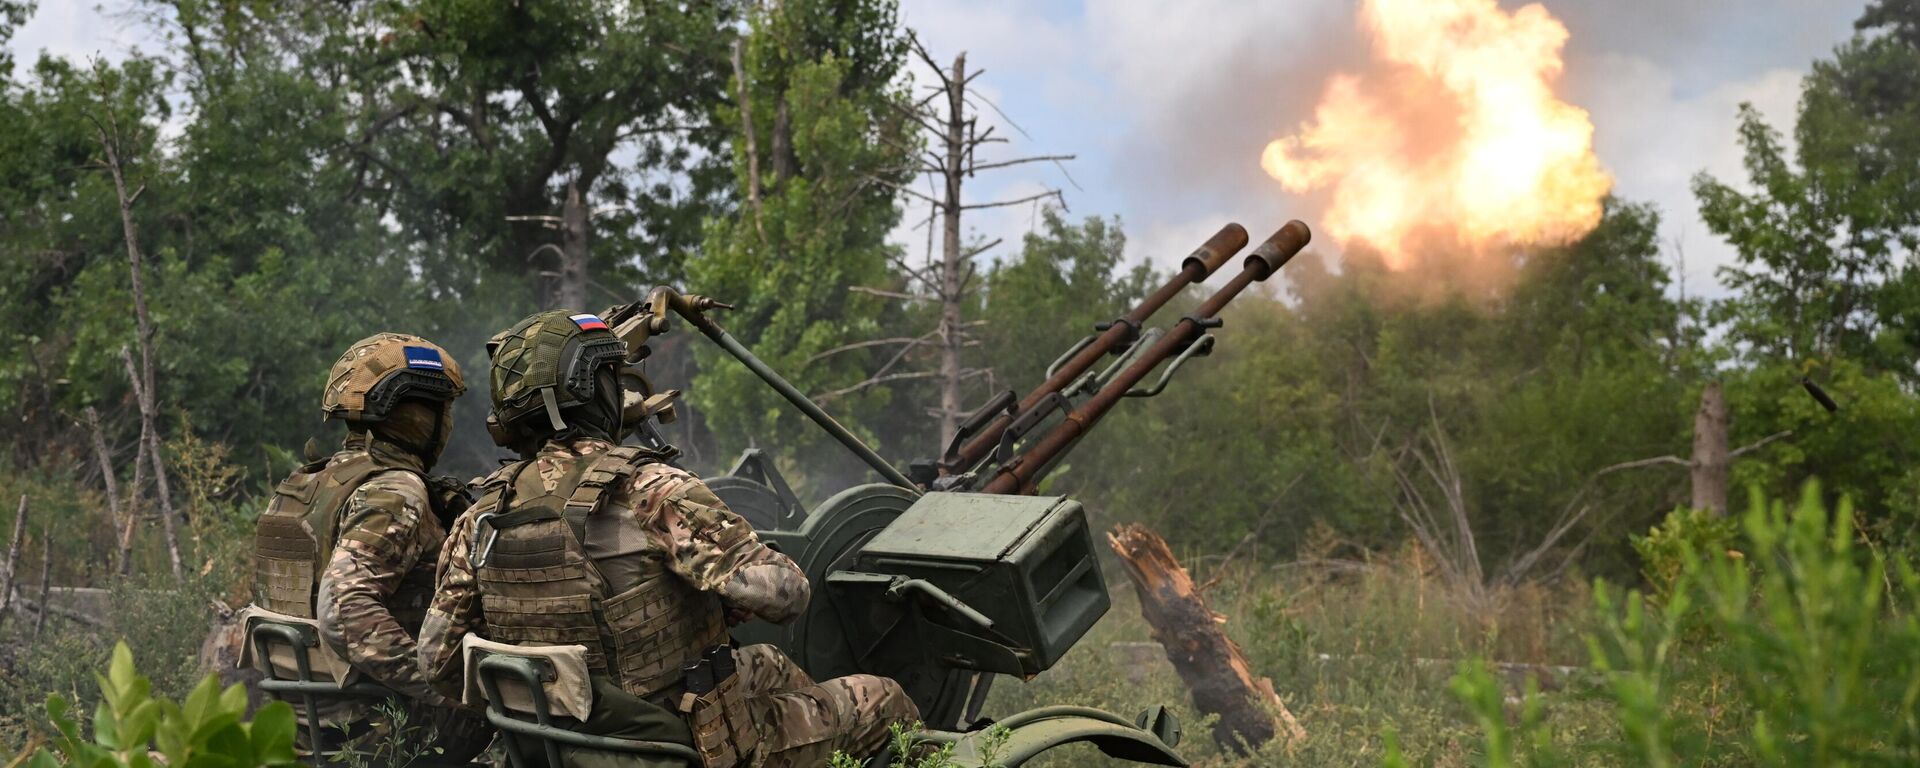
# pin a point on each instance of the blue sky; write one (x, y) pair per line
(1167, 104)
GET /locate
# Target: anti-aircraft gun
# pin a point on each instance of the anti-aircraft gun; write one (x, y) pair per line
(955, 571)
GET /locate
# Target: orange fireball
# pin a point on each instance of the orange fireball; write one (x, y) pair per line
(1454, 140)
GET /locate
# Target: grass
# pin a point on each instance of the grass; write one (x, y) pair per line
(1357, 650)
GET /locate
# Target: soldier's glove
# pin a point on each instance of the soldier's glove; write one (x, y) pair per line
(737, 616)
(449, 497)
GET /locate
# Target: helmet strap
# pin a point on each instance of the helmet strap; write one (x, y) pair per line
(553, 409)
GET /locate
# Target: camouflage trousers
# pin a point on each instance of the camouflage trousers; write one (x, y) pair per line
(802, 723)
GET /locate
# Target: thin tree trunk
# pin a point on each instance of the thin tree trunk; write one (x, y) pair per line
(746, 127)
(571, 290)
(13, 559)
(134, 499)
(46, 574)
(150, 441)
(1209, 662)
(782, 150)
(143, 327)
(110, 479)
(951, 258)
(1712, 462)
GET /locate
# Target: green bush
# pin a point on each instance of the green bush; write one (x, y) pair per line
(1804, 651)
(1663, 551)
(131, 725)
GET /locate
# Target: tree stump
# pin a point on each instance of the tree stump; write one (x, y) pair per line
(1210, 663)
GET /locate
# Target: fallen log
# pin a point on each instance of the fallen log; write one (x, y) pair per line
(1210, 663)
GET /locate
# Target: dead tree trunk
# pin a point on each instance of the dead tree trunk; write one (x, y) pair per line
(143, 381)
(1711, 460)
(570, 289)
(13, 559)
(747, 130)
(150, 444)
(951, 258)
(1209, 662)
(46, 575)
(122, 523)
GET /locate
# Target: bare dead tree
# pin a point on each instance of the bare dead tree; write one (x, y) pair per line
(150, 446)
(13, 559)
(1446, 529)
(949, 118)
(1712, 462)
(114, 139)
(46, 578)
(110, 480)
(570, 277)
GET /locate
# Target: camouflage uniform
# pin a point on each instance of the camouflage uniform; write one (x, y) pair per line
(613, 549)
(351, 541)
(373, 596)
(668, 515)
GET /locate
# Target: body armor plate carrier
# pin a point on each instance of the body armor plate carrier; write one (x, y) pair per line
(294, 538)
(538, 586)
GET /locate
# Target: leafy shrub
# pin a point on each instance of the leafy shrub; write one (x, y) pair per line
(131, 724)
(1663, 551)
(1806, 651)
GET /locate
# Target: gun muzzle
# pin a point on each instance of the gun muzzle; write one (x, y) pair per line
(1215, 252)
(1279, 249)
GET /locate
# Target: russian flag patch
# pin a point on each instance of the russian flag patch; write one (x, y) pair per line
(589, 322)
(426, 358)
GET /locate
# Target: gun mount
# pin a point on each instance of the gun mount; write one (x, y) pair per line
(945, 576)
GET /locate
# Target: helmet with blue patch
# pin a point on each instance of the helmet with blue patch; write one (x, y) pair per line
(380, 371)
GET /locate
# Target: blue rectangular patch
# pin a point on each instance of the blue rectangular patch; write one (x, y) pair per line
(425, 357)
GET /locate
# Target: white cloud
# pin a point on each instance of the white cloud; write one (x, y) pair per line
(74, 30)
(1653, 140)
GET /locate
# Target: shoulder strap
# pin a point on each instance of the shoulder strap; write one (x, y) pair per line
(331, 490)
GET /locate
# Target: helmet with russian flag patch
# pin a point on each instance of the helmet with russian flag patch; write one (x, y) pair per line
(546, 364)
(381, 370)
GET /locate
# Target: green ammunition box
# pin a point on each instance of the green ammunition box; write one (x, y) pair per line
(1026, 564)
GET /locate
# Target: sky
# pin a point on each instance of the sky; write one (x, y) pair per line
(1167, 104)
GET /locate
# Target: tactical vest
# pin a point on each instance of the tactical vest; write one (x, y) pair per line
(294, 538)
(539, 587)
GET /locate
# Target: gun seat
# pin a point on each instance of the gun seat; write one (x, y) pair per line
(525, 688)
(302, 670)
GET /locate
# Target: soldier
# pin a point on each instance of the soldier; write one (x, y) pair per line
(584, 541)
(352, 541)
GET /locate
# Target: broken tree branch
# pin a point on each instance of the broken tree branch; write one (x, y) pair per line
(1210, 663)
(1758, 444)
(1053, 193)
(863, 345)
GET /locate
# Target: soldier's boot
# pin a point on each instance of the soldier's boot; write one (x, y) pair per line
(803, 723)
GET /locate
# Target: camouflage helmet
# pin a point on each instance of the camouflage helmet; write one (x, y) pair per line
(544, 364)
(381, 370)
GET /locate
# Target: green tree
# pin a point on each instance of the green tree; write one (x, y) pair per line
(831, 141)
(1825, 239)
